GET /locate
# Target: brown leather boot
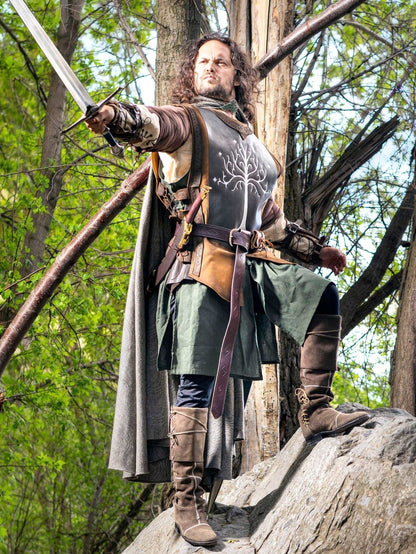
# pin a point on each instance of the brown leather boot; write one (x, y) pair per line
(318, 363)
(188, 431)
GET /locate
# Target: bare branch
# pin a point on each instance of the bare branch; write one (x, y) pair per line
(304, 32)
(375, 300)
(308, 72)
(383, 257)
(25, 278)
(127, 29)
(320, 195)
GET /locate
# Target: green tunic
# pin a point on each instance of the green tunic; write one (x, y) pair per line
(191, 321)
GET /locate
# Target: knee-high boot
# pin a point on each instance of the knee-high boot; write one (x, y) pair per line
(318, 363)
(188, 432)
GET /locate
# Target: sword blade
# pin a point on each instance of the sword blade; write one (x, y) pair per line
(57, 61)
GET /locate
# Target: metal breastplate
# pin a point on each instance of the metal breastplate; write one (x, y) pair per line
(242, 174)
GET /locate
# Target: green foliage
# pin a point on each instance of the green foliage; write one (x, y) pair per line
(56, 493)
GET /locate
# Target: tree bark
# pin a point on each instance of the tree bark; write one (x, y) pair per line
(403, 366)
(256, 26)
(177, 24)
(34, 242)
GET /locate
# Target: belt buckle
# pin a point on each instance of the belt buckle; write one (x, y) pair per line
(187, 230)
(292, 227)
(230, 236)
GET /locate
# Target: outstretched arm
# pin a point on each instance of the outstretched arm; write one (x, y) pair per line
(146, 128)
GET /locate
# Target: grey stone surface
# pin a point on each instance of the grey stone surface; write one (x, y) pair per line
(229, 522)
(350, 494)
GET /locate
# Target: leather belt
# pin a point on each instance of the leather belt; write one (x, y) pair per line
(233, 237)
(242, 241)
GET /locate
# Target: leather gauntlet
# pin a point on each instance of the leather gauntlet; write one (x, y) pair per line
(291, 237)
(302, 244)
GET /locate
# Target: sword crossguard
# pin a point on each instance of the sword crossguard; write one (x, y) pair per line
(116, 148)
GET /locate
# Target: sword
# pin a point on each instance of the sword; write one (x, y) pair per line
(73, 85)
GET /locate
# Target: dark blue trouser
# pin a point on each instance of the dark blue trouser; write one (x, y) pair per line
(195, 391)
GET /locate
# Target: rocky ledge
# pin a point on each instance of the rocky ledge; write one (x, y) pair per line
(350, 494)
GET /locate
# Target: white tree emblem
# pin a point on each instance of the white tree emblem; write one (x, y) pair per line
(242, 171)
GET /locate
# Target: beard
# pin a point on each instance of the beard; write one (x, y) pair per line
(217, 91)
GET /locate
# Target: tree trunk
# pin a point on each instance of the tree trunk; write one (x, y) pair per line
(258, 26)
(177, 24)
(34, 243)
(403, 367)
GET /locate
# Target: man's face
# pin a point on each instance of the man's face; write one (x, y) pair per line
(214, 73)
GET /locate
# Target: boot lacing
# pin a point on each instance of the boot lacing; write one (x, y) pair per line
(302, 397)
(303, 401)
(174, 434)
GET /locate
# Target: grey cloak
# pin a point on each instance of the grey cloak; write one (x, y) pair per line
(140, 443)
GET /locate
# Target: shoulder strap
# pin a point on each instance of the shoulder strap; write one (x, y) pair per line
(199, 171)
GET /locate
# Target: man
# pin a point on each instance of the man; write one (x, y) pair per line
(213, 172)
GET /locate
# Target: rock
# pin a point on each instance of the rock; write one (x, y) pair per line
(229, 522)
(350, 494)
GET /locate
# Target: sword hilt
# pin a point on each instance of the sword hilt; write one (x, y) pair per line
(116, 148)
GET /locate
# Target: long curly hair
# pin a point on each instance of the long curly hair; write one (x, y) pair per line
(183, 90)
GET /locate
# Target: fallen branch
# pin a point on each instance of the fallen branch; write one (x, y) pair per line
(66, 259)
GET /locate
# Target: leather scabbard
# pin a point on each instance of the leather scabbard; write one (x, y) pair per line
(170, 255)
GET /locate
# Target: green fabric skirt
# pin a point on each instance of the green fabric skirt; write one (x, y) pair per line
(191, 320)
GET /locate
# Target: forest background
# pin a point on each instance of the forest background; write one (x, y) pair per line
(350, 138)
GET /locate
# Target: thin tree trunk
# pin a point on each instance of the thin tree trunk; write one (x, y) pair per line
(177, 24)
(403, 367)
(34, 242)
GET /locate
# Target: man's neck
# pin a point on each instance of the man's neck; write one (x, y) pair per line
(230, 106)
